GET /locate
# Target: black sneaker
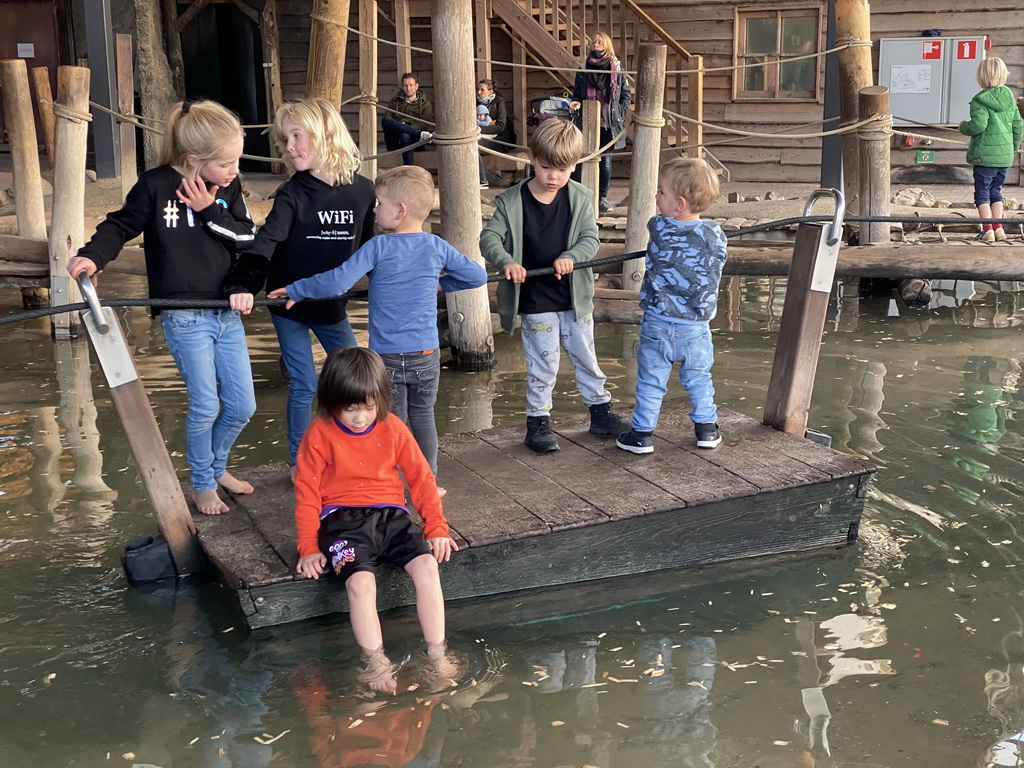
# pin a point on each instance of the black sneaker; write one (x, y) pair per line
(604, 206)
(635, 441)
(708, 435)
(604, 422)
(539, 437)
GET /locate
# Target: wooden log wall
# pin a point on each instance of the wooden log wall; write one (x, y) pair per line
(707, 28)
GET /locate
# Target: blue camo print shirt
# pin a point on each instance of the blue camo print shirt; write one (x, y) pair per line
(684, 267)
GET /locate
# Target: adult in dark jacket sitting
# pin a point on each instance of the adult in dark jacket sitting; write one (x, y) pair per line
(494, 122)
(413, 121)
(604, 81)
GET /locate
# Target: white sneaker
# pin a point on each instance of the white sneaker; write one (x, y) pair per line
(426, 135)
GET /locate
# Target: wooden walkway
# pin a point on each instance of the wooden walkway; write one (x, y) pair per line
(590, 511)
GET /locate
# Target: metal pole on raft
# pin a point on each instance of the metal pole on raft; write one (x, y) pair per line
(803, 318)
(67, 221)
(148, 448)
(643, 178)
(469, 313)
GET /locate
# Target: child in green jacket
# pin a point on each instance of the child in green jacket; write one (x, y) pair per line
(995, 131)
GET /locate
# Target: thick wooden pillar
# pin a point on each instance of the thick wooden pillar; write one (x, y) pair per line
(590, 176)
(875, 162)
(853, 24)
(482, 8)
(327, 40)
(368, 85)
(21, 131)
(643, 178)
(469, 312)
(126, 106)
(67, 227)
(403, 37)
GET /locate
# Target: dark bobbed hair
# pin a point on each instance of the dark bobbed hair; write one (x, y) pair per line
(350, 376)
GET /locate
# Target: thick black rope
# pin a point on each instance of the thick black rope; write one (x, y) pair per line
(768, 225)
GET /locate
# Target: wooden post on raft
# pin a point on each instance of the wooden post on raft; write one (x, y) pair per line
(875, 162)
(368, 85)
(590, 175)
(469, 314)
(270, 38)
(643, 178)
(853, 25)
(126, 106)
(67, 224)
(147, 444)
(803, 319)
(21, 132)
(44, 101)
(695, 106)
(327, 39)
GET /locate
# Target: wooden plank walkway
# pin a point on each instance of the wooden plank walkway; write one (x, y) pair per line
(590, 511)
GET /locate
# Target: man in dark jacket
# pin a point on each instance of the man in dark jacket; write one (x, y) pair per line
(417, 117)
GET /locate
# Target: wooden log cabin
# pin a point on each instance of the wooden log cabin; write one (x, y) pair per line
(221, 48)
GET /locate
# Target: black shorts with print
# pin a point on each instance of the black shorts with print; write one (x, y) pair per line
(367, 538)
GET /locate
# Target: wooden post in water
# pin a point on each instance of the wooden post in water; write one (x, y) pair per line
(67, 222)
(875, 162)
(148, 447)
(643, 179)
(469, 312)
(368, 85)
(21, 132)
(803, 319)
(44, 101)
(126, 106)
(327, 40)
(590, 176)
(853, 24)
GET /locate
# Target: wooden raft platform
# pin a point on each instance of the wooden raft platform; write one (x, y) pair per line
(590, 511)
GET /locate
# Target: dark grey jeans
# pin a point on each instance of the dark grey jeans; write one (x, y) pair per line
(415, 377)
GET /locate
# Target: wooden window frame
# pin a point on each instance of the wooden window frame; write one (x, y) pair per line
(741, 14)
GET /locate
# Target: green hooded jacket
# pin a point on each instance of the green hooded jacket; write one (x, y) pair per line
(994, 128)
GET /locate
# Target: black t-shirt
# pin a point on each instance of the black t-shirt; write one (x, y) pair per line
(545, 238)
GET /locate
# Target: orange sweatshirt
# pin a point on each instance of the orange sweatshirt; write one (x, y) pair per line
(336, 467)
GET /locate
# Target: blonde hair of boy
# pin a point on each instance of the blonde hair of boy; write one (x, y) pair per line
(339, 156)
(692, 179)
(556, 143)
(411, 185)
(992, 72)
(202, 130)
(609, 48)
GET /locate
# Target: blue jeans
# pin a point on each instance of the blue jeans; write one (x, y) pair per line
(663, 343)
(415, 377)
(543, 334)
(297, 352)
(604, 167)
(208, 346)
(398, 134)
(988, 184)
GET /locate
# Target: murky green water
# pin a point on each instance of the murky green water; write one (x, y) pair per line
(907, 650)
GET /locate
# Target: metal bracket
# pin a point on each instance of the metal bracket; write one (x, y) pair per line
(828, 245)
(107, 339)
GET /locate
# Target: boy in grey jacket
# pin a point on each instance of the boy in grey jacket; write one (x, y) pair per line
(548, 221)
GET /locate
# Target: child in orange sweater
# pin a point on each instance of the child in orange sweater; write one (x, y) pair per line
(350, 505)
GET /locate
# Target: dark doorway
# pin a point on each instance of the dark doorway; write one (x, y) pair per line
(223, 57)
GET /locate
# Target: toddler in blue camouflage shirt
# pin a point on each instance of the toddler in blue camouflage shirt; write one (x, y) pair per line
(679, 298)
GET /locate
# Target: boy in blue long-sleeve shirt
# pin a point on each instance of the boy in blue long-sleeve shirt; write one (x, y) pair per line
(404, 266)
(679, 297)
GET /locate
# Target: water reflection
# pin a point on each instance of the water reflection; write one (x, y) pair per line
(908, 645)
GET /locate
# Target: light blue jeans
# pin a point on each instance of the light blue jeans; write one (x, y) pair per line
(663, 343)
(543, 333)
(208, 346)
(415, 378)
(297, 352)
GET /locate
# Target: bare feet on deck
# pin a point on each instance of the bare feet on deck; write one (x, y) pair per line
(378, 673)
(209, 503)
(232, 484)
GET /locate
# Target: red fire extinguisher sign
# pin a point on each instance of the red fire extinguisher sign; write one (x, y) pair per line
(967, 49)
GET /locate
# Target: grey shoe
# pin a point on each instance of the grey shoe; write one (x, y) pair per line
(604, 206)
(708, 435)
(539, 437)
(604, 422)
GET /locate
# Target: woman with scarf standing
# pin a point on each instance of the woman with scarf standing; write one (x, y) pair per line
(604, 81)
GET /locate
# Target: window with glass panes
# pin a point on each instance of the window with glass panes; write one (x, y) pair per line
(766, 41)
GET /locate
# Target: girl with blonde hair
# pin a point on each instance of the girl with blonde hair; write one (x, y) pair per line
(321, 215)
(194, 220)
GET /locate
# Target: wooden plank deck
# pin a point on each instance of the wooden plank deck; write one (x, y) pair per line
(589, 511)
